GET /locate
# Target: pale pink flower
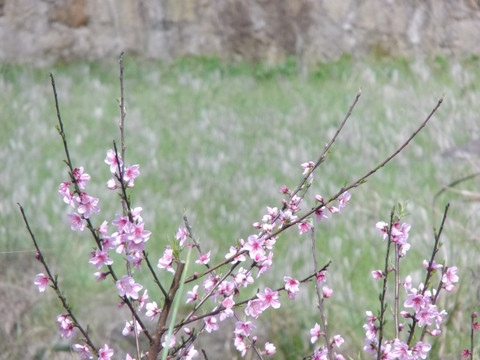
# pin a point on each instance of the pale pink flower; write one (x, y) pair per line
(327, 292)
(321, 276)
(136, 233)
(112, 184)
(100, 276)
(243, 277)
(65, 326)
(241, 344)
(100, 258)
(270, 349)
(152, 310)
(165, 262)
(449, 277)
(64, 190)
(211, 324)
(204, 259)
(233, 251)
(76, 222)
(315, 333)
(420, 350)
(255, 248)
(88, 205)
(342, 201)
(121, 222)
(41, 280)
(266, 264)
(254, 308)
(83, 351)
(127, 287)
(269, 298)
(292, 286)
(338, 340)
(190, 353)
(320, 214)
(210, 282)
(181, 235)
(304, 227)
(434, 266)
(111, 160)
(130, 328)
(377, 274)
(192, 295)
(143, 300)
(80, 177)
(307, 168)
(130, 174)
(244, 328)
(105, 353)
(172, 341)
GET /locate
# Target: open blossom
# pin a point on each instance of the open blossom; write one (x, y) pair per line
(190, 353)
(64, 190)
(269, 298)
(449, 277)
(66, 326)
(244, 328)
(203, 259)
(254, 246)
(315, 333)
(233, 251)
(105, 353)
(152, 310)
(130, 174)
(83, 351)
(100, 258)
(111, 160)
(41, 281)
(304, 227)
(136, 233)
(88, 205)
(192, 295)
(254, 308)
(377, 274)
(80, 177)
(130, 328)
(211, 324)
(338, 340)
(181, 235)
(165, 262)
(127, 287)
(307, 168)
(270, 349)
(266, 264)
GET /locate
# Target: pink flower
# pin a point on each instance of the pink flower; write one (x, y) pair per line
(243, 278)
(292, 287)
(342, 201)
(64, 190)
(244, 328)
(449, 277)
(420, 350)
(241, 344)
(192, 295)
(121, 222)
(80, 177)
(127, 287)
(83, 351)
(100, 258)
(377, 274)
(284, 189)
(165, 262)
(327, 292)
(307, 168)
(190, 353)
(152, 310)
(315, 333)
(320, 214)
(211, 324)
(111, 160)
(181, 235)
(203, 259)
(100, 276)
(270, 349)
(255, 248)
(105, 353)
(304, 227)
(254, 308)
(41, 281)
(136, 233)
(266, 264)
(338, 340)
(269, 298)
(129, 328)
(233, 251)
(112, 184)
(321, 276)
(434, 266)
(66, 326)
(88, 205)
(130, 174)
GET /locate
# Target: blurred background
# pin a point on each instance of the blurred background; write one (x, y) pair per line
(225, 100)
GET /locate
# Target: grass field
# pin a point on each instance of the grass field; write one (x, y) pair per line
(216, 141)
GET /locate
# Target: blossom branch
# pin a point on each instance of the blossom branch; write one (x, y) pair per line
(55, 286)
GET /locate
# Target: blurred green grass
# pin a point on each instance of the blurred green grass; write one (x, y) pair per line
(216, 140)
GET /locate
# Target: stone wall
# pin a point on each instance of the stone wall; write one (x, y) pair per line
(43, 31)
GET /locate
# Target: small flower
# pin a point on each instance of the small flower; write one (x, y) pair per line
(192, 295)
(41, 281)
(255, 248)
(203, 259)
(181, 235)
(127, 287)
(165, 262)
(304, 227)
(88, 205)
(105, 353)
(211, 324)
(152, 310)
(292, 287)
(83, 351)
(111, 160)
(307, 168)
(327, 292)
(315, 333)
(80, 177)
(100, 258)
(270, 349)
(377, 274)
(76, 222)
(130, 174)
(269, 298)
(129, 328)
